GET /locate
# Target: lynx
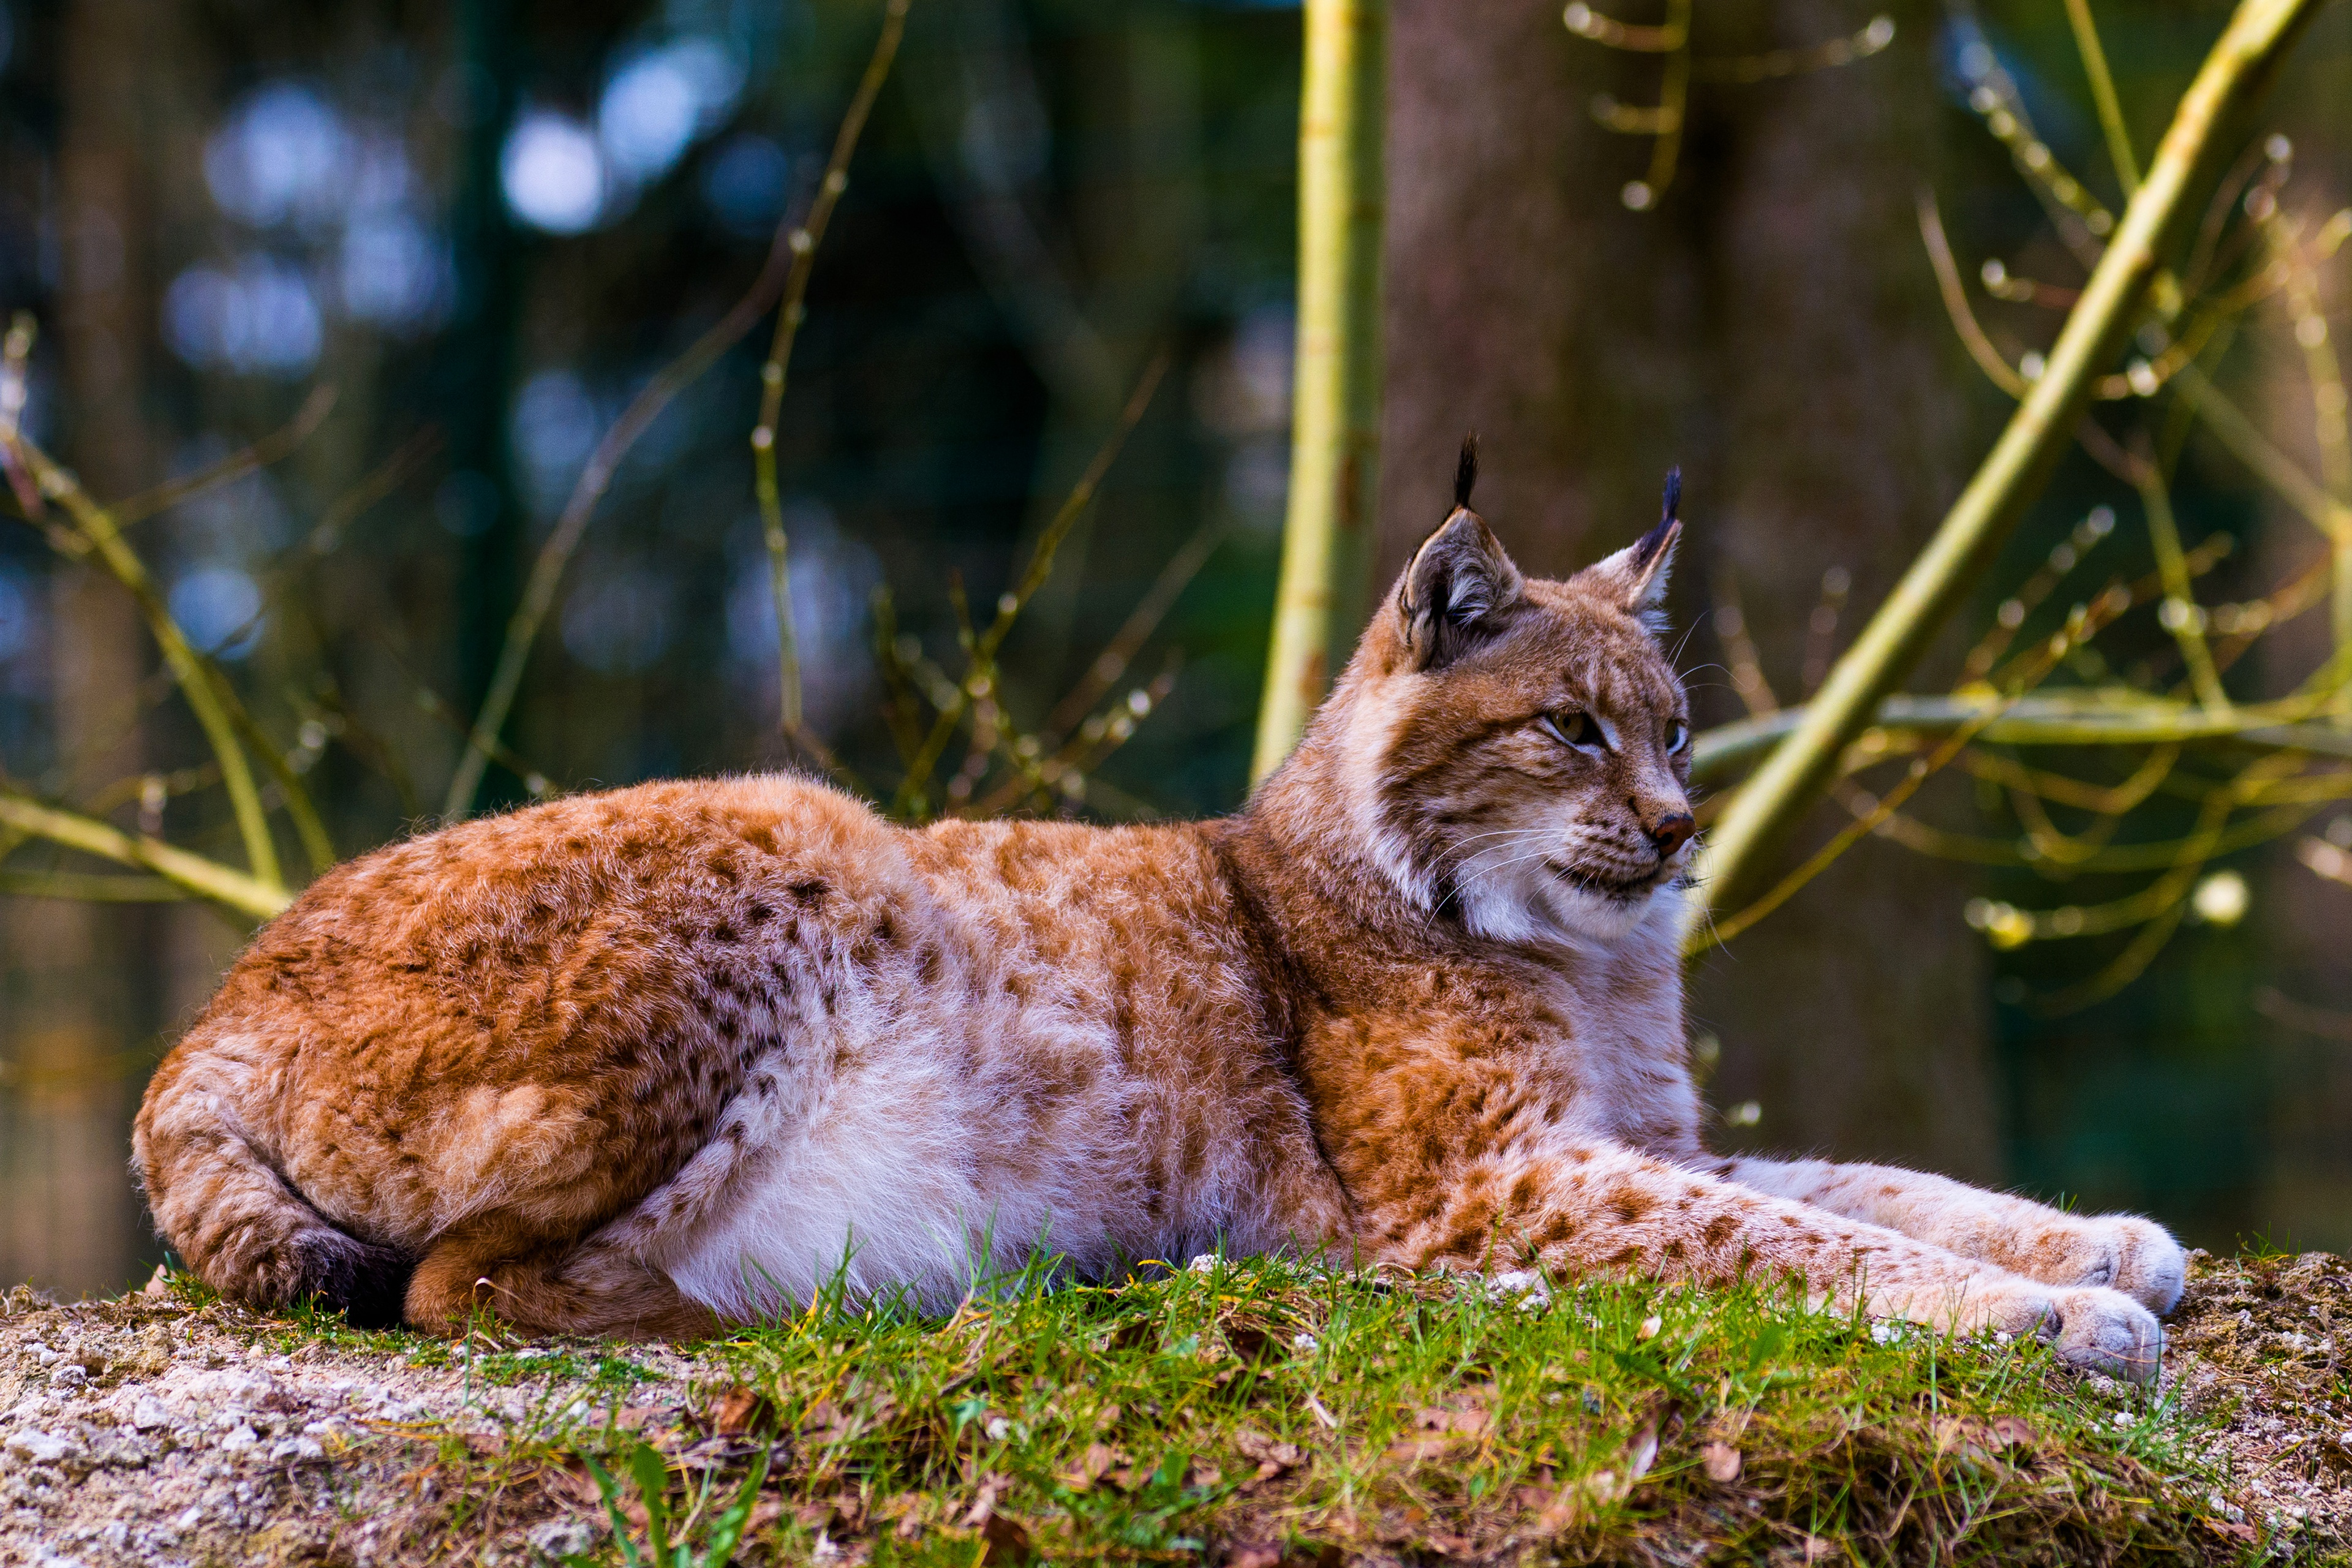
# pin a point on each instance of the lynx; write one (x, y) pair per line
(656, 1060)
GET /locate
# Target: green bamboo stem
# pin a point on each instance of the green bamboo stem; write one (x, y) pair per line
(206, 878)
(189, 669)
(1328, 535)
(1738, 862)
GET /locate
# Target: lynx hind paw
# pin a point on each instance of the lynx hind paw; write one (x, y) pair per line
(2117, 1252)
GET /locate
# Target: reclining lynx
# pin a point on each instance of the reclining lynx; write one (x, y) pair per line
(649, 1061)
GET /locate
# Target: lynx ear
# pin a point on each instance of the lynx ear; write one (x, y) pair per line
(1459, 590)
(1635, 579)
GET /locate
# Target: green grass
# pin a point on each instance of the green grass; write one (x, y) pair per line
(1262, 1411)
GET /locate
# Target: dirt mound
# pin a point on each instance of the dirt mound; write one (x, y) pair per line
(157, 1429)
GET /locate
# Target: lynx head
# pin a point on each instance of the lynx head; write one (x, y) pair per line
(1519, 750)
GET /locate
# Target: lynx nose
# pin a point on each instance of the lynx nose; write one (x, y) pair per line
(1672, 831)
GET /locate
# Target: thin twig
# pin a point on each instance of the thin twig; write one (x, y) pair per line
(271, 448)
(804, 239)
(2179, 614)
(1033, 577)
(2103, 94)
(1141, 622)
(546, 571)
(189, 670)
(1955, 294)
(206, 878)
(1756, 824)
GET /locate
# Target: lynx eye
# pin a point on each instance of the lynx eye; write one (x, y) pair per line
(1677, 738)
(1575, 728)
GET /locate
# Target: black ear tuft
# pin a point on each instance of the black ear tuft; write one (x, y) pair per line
(1465, 471)
(1674, 495)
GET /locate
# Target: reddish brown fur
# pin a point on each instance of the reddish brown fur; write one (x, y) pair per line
(1420, 1002)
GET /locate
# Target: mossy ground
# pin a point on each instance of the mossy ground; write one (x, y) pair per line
(1256, 1413)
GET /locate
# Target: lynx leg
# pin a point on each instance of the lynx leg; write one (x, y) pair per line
(565, 1288)
(2122, 1252)
(1604, 1209)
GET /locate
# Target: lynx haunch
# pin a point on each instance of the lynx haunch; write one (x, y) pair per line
(655, 1060)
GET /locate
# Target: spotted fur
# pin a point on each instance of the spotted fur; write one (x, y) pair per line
(655, 1060)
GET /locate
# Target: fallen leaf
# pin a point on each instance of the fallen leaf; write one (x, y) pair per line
(1644, 1453)
(1722, 1461)
(1092, 1466)
(1650, 1327)
(2243, 1533)
(1464, 1413)
(735, 1411)
(1816, 1548)
(1413, 1451)
(2010, 1432)
(1268, 1450)
(1255, 1554)
(983, 1508)
(1555, 1510)
(159, 1287)
(576, 1487)
(1008, 1539)
(1203, 1475)
(1249, 1340)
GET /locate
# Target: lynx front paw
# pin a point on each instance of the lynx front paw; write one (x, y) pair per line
(2096, 1330)
(2116, 1252)
(2106, 1330)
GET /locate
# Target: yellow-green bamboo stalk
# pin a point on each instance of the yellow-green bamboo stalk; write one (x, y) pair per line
(1328, 537)
(1760, 818)
(206, 878)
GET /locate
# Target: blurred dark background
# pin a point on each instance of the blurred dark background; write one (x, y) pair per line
(484, 225)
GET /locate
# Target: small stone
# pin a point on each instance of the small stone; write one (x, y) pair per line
(238, 1439)
(42, 1448)
(147, 1414)
(561, 1538)
(68, 1376)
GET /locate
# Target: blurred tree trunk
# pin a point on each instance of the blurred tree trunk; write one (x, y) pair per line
(1771, 327)
(73, 1216)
